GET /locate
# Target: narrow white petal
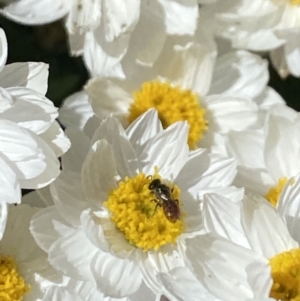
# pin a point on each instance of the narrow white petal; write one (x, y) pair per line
(289, 206)
(142, 129)
(265, 230)
(282, 148)
(99, 171)
(124, 154)
(223, 217)
(171, 145)
(190, 67)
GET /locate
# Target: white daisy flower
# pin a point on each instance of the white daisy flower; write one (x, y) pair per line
(183, 85)
(252, 258)
(261, 25)
(30, 138)
(109, 209)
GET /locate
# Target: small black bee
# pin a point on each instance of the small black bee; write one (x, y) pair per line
(165, 200)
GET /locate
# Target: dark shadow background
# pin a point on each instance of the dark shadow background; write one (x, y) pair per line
(48, 43)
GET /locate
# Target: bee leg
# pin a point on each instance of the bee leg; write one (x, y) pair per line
(157, 204)
(177, 202)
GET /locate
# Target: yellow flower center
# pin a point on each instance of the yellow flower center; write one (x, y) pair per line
(173, 104)
(273, 194)
(285, 271)
(137, 211)
(12, 285)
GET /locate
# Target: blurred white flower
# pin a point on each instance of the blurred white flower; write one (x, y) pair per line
(105, 210)
(260, 25)
(30, 138)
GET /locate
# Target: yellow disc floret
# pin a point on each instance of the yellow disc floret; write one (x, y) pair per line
(12, 285)
(173, 104)
(133, 210)
(273, 194)
(285, 271)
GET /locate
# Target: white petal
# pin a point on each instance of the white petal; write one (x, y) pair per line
(63, 258)
(215, 270)
(119, 17)
(109, 95)
(189, 176)
(220, 173)
(42, 110)
(76, 43)
(182, 285)
(30, 75)
(282, 148)
(75, 156)
(289, 207)
(84, 16)
(36, 13)
(76, 110)
(3, 217)
(142, 129)
(171, 145)
(187, 11)
(223, 217)
(254, 180)
(124, 154)
(49, 174)
(56, 139)
(231, 112)
(292, 53)
(190, 67)
(10, 191)
(241, 73)
(6, 100)
(266, 232)
(42, 227)
(30, 157)
(39, 198)
(278, 60)
(268, 98)
(151, 23)
(115, 277)
(102, 57)
(246, 147)
(99, 171)
(69, 197)
(3, 49)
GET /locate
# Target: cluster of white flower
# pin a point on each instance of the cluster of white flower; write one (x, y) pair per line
(179, 176)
